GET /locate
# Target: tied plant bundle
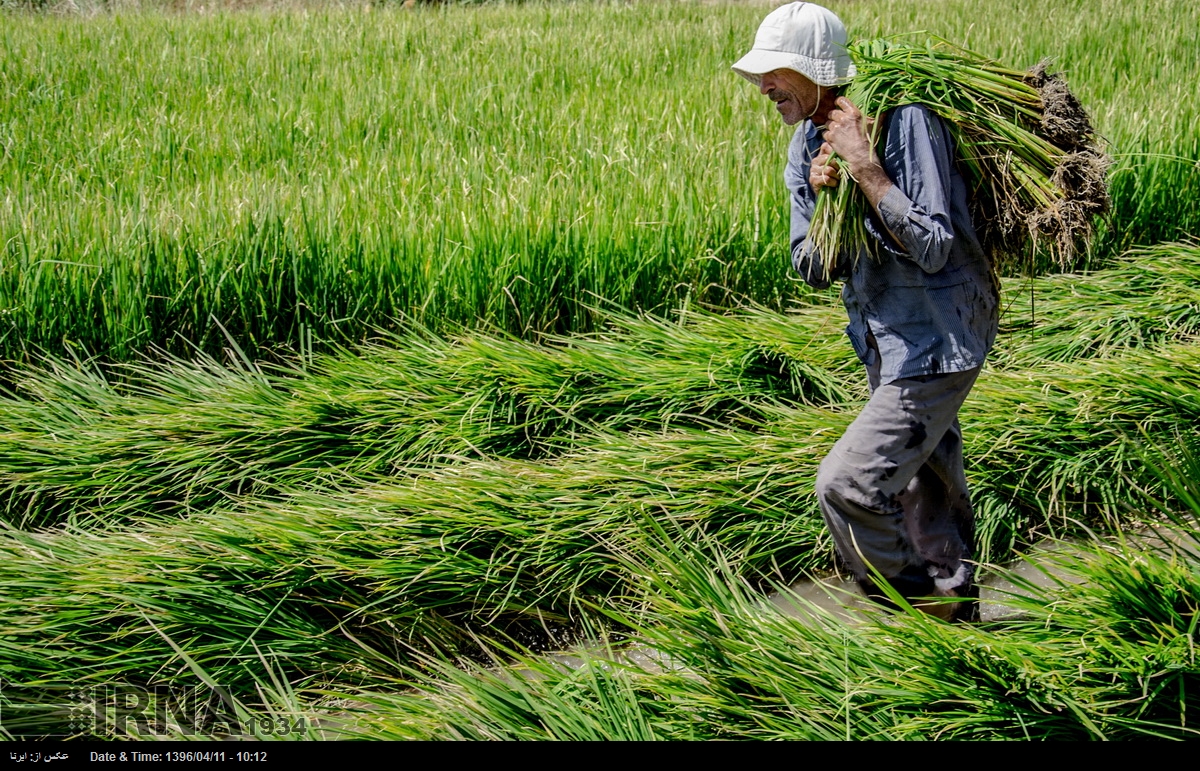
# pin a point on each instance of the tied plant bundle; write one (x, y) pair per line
(1034, 169)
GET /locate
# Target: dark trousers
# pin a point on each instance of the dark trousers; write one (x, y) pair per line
(893, 491)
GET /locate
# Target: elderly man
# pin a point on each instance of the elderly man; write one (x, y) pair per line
(922, 307)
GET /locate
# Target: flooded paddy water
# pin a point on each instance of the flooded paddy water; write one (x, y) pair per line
(841, 597)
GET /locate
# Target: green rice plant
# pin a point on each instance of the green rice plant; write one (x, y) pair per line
(1052, 443)
(294, 179)
(245, 181)
(544, 699)
(1145, 297)
(340, 586)
(1106, 650)
(167, 439)
(92, 455)
(1040, 677)
(717, 662)
(489, 544)
(257, 181)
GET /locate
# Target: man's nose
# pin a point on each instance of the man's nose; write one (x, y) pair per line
(764, 86)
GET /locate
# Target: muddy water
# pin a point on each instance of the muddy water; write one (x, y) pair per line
(841, 597)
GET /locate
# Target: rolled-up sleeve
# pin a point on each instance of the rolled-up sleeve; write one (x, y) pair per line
(916, 211)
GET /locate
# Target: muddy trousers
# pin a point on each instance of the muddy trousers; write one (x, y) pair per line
(893, 492)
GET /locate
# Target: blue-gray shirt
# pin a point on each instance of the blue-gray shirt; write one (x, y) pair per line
(926, 295)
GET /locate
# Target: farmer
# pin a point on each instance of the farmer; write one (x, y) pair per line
(922, 308)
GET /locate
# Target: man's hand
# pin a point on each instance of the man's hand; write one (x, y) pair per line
(847, 132)
(824, 171)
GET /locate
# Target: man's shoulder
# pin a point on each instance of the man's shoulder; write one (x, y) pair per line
(913, 125)
(912, 118)
(911, 115)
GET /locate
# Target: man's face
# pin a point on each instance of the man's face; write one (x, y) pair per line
(794, 95)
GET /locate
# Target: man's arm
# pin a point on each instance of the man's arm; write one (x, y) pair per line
(914, 207)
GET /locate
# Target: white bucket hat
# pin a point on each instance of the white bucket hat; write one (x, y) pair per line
(803, 37)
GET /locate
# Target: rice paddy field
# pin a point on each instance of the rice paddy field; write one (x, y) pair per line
(355, 357)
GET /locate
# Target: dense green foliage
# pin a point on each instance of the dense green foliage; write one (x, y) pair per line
(163, 441)
(288, 177)
(344, 517)
(1111, 659)
(570, 429)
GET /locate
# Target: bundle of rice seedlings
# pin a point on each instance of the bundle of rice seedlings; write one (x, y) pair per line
(1034, 168)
